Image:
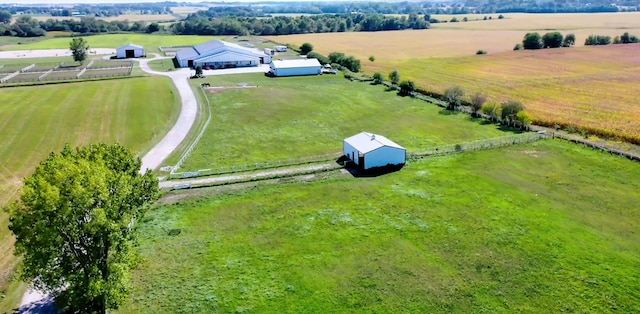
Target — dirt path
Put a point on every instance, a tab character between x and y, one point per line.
217	180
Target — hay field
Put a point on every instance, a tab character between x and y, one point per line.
34	121
465	38
594	88
586	87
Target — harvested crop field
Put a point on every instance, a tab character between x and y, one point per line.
590	88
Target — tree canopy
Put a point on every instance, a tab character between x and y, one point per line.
306	48
454	96
532	41
394	77
79	47
73	224
552	40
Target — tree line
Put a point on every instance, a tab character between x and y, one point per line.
549	40
26	26
511	112
201	24
626	38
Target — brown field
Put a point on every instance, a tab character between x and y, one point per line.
592	88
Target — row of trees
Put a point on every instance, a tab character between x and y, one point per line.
200	24
626	38
85	9
25	26
548	40
510	112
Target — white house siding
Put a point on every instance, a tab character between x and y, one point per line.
298	71
121	52
384	156
351	152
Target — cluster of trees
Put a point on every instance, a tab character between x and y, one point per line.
548	40
510	113
349	62
25	26
74	224
626	38
97	10
201	24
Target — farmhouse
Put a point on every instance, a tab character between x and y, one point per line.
368	150
295	67
219	54
129	51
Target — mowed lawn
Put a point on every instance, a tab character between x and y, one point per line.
274	119
149	42
37	120
543	227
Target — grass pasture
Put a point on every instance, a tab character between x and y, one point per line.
149	42
275	119
542	227
34	121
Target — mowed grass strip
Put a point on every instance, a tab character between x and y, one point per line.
543	227
274	119
149	42
35	121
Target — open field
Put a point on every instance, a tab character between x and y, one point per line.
543	227
592	88
39	71
149	42
34	121
296	117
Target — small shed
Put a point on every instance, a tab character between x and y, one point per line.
295	67
280	48
130	51
368	150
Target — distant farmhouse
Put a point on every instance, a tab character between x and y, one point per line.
368	150
295	67
218	54
129	51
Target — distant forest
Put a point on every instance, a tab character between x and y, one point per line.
274	18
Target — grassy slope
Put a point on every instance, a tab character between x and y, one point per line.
150	42
286	118
542	227
37	120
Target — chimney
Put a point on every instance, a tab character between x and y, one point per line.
373	137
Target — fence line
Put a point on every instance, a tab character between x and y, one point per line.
477	145
254	166
193	145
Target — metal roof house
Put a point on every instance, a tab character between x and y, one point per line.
129	51
220	54
368	150
295	67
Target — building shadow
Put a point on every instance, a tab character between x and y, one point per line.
357	172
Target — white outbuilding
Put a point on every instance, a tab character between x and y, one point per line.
295	67
130	51
368	150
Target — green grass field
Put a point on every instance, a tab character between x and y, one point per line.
34	121
543	227
149	42
296	117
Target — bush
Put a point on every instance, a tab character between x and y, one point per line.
517	47
594	40
481	52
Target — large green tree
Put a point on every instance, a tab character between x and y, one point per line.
74	222
306	48
552	40
5	17
79	48
532	41
394	77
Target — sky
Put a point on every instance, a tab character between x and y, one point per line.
125	1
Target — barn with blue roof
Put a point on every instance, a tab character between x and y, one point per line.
218	54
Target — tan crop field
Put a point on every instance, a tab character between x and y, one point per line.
591	88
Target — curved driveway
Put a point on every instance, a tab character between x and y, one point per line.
156	155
